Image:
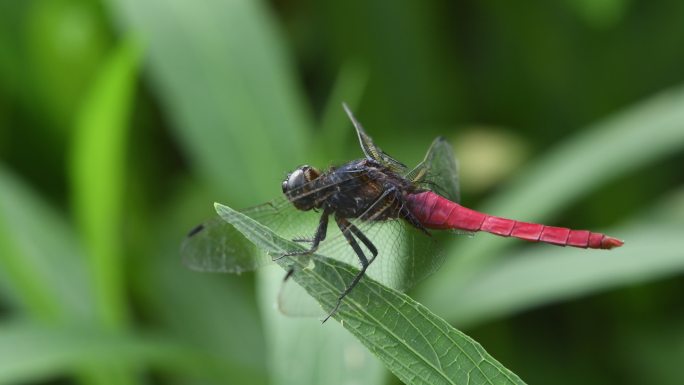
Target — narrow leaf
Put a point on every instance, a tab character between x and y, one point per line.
41	263
539	276
31	353
417	346
225	81
97	171
227	86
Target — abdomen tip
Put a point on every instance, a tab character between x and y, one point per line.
610	242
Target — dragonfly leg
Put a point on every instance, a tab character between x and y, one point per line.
319	236
363	238
303	240
349	231
321	232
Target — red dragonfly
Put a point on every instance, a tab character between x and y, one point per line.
381	208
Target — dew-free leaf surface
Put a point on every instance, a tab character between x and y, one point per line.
416	345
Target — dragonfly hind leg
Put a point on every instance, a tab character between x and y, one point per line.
349	231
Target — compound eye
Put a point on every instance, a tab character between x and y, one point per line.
295	180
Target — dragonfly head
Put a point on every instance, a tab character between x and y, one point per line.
297	189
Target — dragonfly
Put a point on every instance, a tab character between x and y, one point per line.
382	211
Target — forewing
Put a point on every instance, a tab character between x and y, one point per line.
215	246
370	149
438	171
294	301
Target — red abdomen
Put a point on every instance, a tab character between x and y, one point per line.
436	212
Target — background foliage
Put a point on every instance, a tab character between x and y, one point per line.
121	121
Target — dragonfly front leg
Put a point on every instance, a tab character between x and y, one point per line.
349	231
318	237
321	232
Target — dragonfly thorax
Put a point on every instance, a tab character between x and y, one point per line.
362	188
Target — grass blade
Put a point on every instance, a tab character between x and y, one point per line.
227	86
40	259
539	276
97	170
30	353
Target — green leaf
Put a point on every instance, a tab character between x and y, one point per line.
638	136
31	353
227	86
98	172
332	356
225	81
535	276
41	263
417	346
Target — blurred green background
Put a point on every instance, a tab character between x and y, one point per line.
122	121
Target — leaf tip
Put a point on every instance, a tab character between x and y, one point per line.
219	207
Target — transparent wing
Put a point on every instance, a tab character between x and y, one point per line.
216	246
438	171
294	301
370	149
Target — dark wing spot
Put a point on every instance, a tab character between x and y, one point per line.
196	230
